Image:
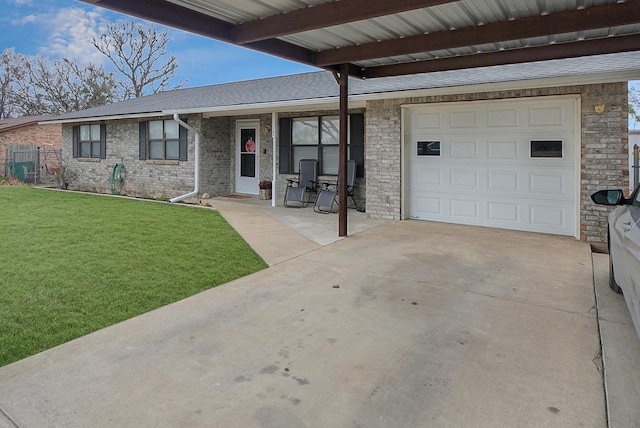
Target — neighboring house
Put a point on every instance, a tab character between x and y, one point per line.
25	131
516	147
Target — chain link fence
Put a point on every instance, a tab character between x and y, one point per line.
33	164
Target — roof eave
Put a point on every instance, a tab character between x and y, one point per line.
102	118
622	76
359	100
268	107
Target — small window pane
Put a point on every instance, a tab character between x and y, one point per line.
85	132
302	152
330	160
155	130
85	149
95	132
155	150
171	129
95	149
428	148
330	130
546	149
172	149
305	131
247	165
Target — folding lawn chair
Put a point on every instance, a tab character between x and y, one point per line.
328	197
299	192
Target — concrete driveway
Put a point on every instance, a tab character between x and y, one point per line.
406	324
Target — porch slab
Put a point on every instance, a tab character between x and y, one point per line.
405	324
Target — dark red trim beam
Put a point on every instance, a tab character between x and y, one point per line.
514	56
611	15
173	15
324	15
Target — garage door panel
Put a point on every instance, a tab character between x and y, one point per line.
549	183
429	207
464	149
429	178
495	150
503	118
546	116
546	216
463	119
427	121
464	179
519	214
485	174
503	150
503	181
504	212
464	209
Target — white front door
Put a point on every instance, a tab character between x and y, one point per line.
247	156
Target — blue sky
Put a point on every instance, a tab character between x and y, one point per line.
63	28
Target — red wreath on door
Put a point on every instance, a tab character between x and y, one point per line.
250	145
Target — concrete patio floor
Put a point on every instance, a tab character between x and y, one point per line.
403	324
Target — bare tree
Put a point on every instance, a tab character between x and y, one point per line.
7	79
634	104
138	53
61	86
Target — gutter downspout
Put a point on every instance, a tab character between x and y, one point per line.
274	134
196	184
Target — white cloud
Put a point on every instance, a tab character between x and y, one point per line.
29	19
23	2
67	33
71	33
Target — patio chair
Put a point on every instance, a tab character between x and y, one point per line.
298	193
327	200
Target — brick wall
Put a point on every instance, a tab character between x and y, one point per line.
32	134
154	178
604	154
215	155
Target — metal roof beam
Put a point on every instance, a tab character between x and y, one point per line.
322	16
610	15
173	15
513	56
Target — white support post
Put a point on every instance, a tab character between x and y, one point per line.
274	139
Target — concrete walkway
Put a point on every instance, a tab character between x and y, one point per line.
620	349
403	324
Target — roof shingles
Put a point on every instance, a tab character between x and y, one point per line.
318	85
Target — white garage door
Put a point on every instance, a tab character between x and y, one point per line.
510	164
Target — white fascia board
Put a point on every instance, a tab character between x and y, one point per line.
505	86
101	118
359	101
276	106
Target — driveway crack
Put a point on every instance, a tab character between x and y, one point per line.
4	415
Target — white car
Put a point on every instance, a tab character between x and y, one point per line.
624	246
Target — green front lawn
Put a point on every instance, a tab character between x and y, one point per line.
74	263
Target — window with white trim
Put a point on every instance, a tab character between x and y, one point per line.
318	137
164	140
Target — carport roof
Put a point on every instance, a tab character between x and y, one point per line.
303	89
379	38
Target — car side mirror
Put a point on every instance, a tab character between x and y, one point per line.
609	197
